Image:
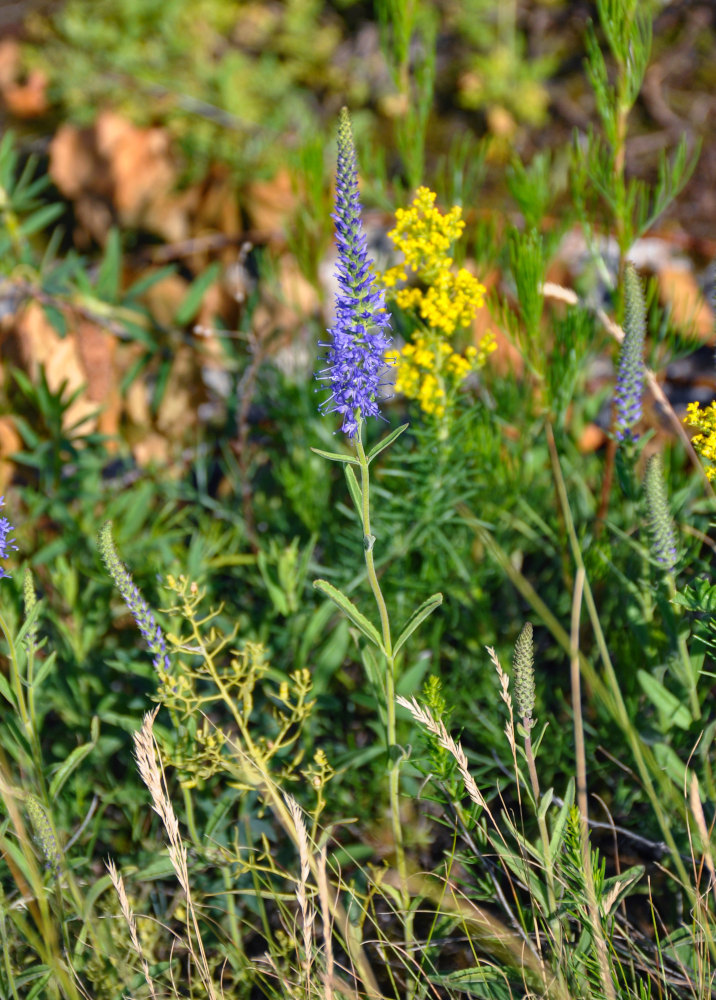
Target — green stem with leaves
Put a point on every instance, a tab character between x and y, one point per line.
618	707
394	772
689	679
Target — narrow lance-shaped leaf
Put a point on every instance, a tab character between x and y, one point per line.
555	841
386	442
348	608
671	709
355	491
417	618
333	457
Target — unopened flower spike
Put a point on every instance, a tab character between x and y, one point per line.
356	357
28	587
132	597
663	536
44	833
7	544
524	674
630	378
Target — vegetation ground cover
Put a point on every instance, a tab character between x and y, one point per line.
356	588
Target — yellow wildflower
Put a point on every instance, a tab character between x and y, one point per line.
430	372
446	300
428	369
451	301
393	275
705	441
425	236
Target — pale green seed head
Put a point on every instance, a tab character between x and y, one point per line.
44	832
663	536
524	673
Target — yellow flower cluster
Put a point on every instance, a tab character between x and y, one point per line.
424	236
705	441
448	304
445	299
431	373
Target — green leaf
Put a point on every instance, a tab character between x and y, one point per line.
484	981
671	709
29	622
525	872
334	457
669	762
528	848
107	285
386	442
417	618
157	869
6	692
56	319
145	283
277	595
354	490
44	670
555	841
396	754
411	679
349	609
41	219
71	764
544	803
192	300
618	886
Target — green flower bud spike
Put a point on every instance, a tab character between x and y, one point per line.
524	675
30	598
661	526
44	833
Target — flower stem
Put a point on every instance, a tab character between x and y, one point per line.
394	768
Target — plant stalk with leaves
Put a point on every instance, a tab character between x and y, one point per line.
355	371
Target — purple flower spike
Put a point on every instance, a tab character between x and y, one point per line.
140	610
7	544
630	378
356	357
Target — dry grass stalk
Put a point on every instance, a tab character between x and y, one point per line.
697	812
361	967
146	753
118	883
438	729
308	914
327	921
510	724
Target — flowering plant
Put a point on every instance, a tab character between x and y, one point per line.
630	376
355	370
357	354
703	419
6	543
442	299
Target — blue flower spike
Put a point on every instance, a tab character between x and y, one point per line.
7	544
630	377
356	361
140	610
